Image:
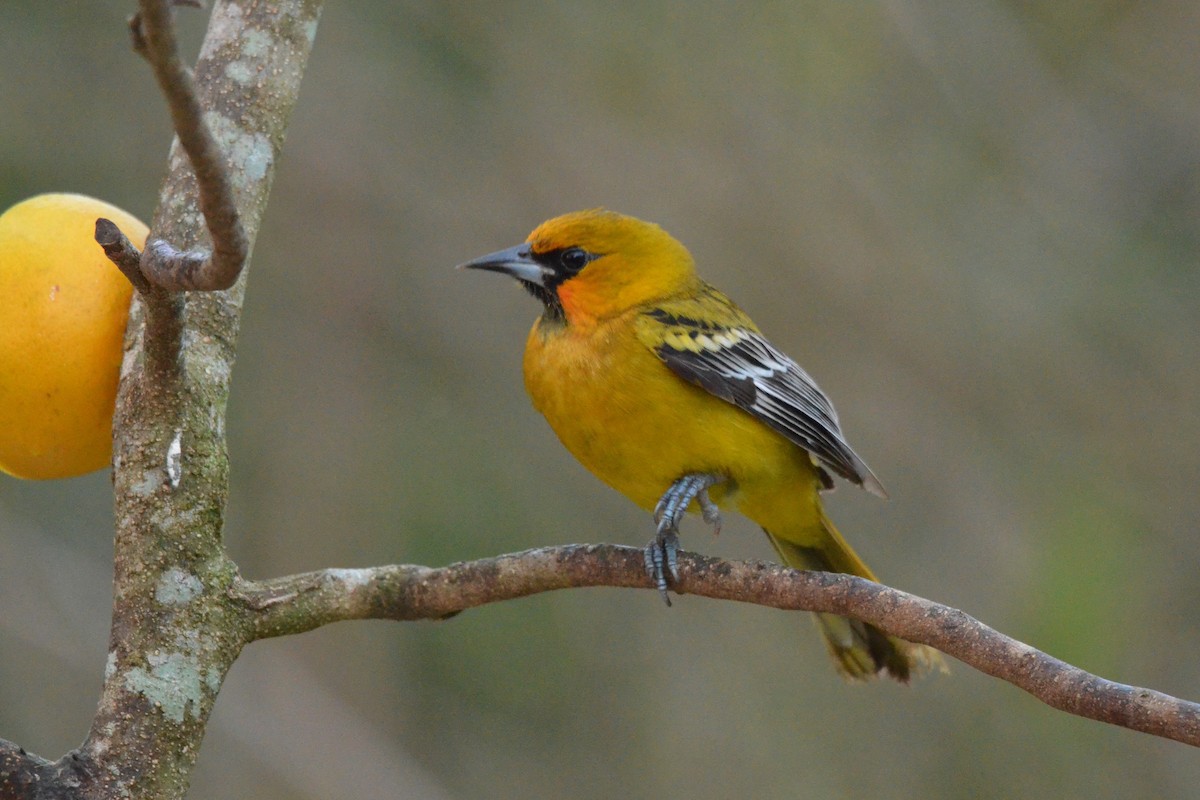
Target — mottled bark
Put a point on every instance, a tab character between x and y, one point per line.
301	602
175	629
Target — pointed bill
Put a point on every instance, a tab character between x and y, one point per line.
515	261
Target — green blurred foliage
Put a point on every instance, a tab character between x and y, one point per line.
976	224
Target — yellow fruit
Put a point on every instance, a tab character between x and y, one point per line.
63	307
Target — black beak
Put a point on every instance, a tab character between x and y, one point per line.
515	261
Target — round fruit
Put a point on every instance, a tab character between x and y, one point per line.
63	307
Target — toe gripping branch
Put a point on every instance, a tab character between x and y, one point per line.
662	554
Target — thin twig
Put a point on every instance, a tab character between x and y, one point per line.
121	252
403	592
164	319
164	265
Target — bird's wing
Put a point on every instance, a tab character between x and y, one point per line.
708	341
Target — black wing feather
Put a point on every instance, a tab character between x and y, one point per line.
737	364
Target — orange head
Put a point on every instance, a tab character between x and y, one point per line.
590	265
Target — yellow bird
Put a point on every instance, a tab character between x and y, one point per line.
669	393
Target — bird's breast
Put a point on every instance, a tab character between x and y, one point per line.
635	424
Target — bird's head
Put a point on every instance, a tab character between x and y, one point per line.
590	265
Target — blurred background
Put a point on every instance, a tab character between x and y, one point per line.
976	224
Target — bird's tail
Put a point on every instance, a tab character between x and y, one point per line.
860	651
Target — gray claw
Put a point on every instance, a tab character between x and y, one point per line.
709	510
660	557
662	554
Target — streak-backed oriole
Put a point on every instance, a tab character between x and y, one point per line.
669	393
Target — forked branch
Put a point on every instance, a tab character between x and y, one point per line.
162	265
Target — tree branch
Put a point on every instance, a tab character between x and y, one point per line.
21	773
162	264
121	252
164	316
402	592
175	632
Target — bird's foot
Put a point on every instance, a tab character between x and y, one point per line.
709	511
662	554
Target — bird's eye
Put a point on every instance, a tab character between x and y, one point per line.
573	259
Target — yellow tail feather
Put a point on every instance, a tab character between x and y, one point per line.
860	651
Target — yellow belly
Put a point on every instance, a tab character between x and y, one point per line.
638	427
